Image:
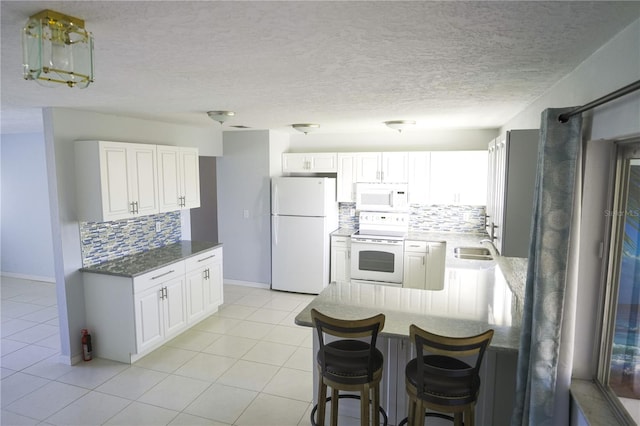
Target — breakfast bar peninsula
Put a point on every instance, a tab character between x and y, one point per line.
473	300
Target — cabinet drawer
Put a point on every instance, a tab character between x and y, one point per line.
196	261
158	276
415	246
340	241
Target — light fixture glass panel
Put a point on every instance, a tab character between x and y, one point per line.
57	49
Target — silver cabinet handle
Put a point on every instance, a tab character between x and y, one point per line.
162	293
162	275
133	207
165	292
205	258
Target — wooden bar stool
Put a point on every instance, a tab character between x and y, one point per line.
349	365
437	379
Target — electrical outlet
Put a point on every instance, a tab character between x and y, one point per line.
245	214
158	226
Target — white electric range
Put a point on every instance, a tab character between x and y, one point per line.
377	248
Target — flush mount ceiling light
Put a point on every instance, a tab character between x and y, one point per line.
220	116
57	49
400	125
305	127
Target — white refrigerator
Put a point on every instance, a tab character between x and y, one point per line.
304	212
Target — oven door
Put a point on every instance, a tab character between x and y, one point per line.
377	259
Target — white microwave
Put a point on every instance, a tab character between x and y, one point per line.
382	197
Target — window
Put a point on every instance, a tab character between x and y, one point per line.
619	367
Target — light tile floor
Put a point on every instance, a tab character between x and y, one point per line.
248	364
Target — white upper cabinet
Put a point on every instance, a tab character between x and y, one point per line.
512	175
366	167
115	180
178	177
346	177
395	167
458	177
382	167
418	177
323	162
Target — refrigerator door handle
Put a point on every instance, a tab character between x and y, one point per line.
275	199
275	230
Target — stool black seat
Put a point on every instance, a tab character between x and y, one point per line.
348	364
441	380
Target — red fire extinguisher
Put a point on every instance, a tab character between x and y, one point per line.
86	345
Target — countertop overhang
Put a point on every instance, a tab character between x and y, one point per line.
138	264
403	307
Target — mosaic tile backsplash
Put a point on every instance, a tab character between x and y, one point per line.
103	241
429	218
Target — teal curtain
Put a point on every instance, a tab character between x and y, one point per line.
541	336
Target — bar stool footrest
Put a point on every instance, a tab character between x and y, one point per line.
328	399
430	414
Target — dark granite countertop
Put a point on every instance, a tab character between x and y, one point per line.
138	264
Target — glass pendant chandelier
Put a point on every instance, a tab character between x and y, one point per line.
57	49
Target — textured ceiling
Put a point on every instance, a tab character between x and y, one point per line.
345	65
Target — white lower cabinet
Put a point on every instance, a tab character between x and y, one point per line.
160	312
340	259
129	317
204	284
424	264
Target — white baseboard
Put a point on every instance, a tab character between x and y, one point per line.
28	277
247	284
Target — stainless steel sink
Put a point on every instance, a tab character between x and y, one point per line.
472	253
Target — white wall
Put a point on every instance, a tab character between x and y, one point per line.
391	140
62	127
25	223
244	204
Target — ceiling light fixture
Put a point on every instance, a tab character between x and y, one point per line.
57	49
220	116
400	125
305	127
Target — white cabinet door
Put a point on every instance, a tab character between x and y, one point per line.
368	166
436	259
418	177
346	191
340	259
196	297
294	163
322	162
214	291
458	177
414	270
143	178
168	178
175	312
179	178
149	318
116	201
189	178
204	284
395	167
